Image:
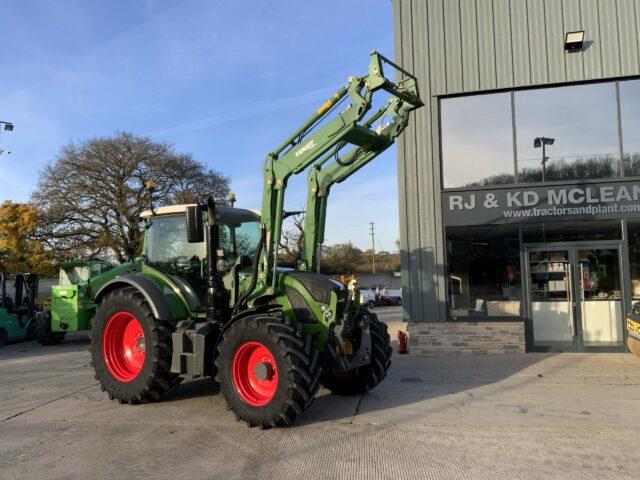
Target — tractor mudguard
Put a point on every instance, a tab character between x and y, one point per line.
150	290
256	309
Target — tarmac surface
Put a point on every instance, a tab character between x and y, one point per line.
487	417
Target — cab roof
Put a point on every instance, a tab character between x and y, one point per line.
240	214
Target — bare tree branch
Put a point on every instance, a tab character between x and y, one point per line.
91	196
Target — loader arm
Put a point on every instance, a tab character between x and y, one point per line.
305	146
321	180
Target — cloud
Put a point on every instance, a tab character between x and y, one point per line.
254	110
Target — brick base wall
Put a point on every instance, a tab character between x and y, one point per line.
466	338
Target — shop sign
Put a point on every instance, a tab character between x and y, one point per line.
542	204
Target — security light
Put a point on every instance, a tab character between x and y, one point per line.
573	41
8	127
543	142
538	141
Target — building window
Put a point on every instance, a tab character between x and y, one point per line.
577	124
630	115
477	140
561	133
483	271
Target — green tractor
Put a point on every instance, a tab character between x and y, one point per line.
208	296
17	312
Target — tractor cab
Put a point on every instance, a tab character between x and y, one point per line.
168	249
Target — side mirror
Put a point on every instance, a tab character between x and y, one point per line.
195	226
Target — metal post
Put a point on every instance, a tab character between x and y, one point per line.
544	159
373	246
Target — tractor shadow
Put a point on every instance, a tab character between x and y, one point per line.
417	384
77	342
412	387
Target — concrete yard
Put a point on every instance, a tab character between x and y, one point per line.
467	417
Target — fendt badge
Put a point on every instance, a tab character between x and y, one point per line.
308	146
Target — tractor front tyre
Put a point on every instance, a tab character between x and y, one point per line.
3	336
363	379
131	349
268	370
42	330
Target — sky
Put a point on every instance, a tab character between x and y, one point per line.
224	81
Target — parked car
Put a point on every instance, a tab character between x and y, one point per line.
368	298
389	297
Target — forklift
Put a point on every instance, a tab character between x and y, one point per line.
18	312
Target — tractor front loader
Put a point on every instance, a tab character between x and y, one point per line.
207	297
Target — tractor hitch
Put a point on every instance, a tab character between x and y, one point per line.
340	349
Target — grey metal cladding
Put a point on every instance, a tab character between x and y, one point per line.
464	46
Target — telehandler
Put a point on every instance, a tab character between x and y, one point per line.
207	295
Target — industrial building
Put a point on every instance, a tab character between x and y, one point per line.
520	179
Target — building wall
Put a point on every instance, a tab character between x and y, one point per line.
475	338
464	46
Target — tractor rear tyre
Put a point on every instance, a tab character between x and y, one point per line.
3	336
363	379
131	349
42	326
268	370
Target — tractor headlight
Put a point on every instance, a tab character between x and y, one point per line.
630	326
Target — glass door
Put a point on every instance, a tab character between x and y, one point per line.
575	298
551	300
600	297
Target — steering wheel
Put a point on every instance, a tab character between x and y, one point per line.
182	261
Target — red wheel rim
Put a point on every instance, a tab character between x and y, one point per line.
123	346
254	373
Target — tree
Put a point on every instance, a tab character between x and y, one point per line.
293	240
20	251
91	196
342	258
386	262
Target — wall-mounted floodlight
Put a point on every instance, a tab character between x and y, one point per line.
573	41
8	127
